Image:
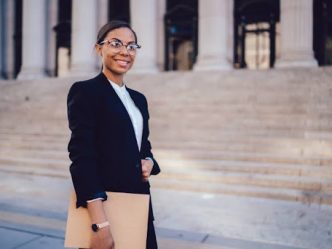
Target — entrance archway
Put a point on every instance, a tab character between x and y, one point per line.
255	33
181	24
323	31
119	10
63	38
17	38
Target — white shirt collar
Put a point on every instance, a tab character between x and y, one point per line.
118	88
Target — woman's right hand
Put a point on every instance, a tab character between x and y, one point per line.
102	239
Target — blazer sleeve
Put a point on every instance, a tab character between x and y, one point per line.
146	150
82	147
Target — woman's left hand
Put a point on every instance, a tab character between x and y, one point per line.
146	169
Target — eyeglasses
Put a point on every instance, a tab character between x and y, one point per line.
116	45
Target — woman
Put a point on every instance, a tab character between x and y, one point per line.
109	146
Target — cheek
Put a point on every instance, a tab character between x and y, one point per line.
132	60
107	58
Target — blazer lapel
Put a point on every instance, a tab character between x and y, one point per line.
115	98
117	102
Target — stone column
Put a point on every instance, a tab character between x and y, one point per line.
212	35
102	19
230	31
144	22
102	9
52	10
33	40
296	34
8	26
84	33
161	6
1	38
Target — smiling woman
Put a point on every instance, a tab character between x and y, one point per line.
117	48
109	146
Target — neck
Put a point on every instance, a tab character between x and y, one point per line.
116	78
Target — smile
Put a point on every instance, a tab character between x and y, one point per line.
122	62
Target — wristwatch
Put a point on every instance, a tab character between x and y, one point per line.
96	227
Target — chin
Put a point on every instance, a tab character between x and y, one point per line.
121	71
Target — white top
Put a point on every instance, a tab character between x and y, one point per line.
134	113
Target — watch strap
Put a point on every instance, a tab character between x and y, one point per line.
96	227
104	224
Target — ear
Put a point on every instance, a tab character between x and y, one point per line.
98	49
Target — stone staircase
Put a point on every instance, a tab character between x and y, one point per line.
264	134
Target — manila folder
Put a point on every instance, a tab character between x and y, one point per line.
128	217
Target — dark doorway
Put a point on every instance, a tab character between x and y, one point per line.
17	38
181	29
255	33
119	10
323	31
63	37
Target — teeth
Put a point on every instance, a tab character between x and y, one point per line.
123	63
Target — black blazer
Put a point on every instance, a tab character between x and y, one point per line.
103	147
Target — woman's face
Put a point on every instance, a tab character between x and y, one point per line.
117	61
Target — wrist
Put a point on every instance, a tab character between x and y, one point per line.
150	159
98	226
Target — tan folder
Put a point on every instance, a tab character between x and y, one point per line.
127	214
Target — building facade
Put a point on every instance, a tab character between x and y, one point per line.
46	38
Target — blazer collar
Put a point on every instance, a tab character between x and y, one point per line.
105	82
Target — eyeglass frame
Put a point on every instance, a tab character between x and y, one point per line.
125	45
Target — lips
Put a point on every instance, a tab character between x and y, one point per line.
122	63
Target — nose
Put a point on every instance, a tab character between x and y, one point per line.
123	50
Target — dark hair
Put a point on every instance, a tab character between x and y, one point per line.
115	24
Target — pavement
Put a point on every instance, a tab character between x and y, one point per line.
33	212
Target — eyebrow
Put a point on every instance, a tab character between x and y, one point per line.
122	41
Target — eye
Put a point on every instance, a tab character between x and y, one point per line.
115	44
132	47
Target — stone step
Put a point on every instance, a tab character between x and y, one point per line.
61	168
170	131
175	158
303	143
205	149
216	116
186	165
310	194
208	131
293	147
37	163
200	122
298	147
26	169
264	157
245	190
236	109
300	182
237	124
322	155
246	110
10	135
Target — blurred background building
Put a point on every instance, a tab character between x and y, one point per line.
56	37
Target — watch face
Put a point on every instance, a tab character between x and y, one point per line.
94	227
